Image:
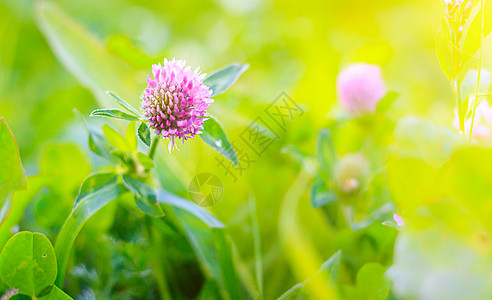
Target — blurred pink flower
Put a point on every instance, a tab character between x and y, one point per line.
482	123
175	101
398	220
360	87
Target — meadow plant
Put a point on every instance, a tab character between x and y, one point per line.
376	204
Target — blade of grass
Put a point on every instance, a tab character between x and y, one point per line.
256	244
302	255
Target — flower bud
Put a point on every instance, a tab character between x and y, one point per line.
350	173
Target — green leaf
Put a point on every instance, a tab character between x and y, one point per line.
114	113
420	138
470	178
385	103
85	56
332	265
372	282
116	139
230	277
255	228
294	293
145	161
325	151
99	145
321	195
96	141
214	135
469	84
392	224
93	183
472	31
329	267
131	137
145	196
28	263
211	249
55	294
208	291
124	104
20	297
444	54
224	78
295	153
12	175
94	196
200	213
144	134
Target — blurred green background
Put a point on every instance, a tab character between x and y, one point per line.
291	46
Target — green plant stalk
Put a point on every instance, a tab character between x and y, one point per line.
456	85
460	105
299	247
257	244
153	147
482	34
155	249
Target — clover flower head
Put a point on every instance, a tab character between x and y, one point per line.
360	87
175	101
350	172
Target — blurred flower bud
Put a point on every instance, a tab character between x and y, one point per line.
453	2
350	172
360	87
398	219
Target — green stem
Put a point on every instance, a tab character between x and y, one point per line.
153	147
479	72
157	263
459	103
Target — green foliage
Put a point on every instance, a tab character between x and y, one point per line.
473	30
85	55
385	103
55	294
114	113
117	140
215	136
321	195
329	267
198	212
370	284
11	171
70	55
145	196
325	152
97	191
124	104
28	263
97	143
144	134
145	161
224	78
